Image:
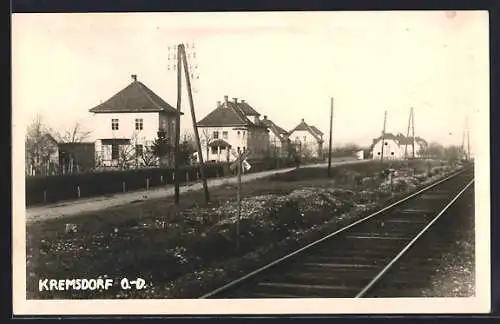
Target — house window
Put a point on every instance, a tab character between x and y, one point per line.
139	124
304	139
392	153
238	133
139	149
115	152
216	135
378	153
224	135
214	150
385	143
114	124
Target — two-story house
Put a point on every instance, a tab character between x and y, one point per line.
232	125
278	139
128	123
308	140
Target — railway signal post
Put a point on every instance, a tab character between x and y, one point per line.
239	164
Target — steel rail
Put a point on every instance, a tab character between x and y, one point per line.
329	236
384	271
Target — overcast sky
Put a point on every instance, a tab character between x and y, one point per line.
286	65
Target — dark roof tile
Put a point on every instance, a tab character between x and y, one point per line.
228	114
136	97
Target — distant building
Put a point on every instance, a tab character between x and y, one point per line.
128	123
232	125
278	139
397	147
308	139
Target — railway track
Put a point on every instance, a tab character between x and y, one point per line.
351	261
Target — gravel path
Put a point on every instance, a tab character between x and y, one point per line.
456	275
99	203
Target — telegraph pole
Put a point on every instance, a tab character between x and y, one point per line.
330	143
195	129
177	126
407	135
383	138
413	131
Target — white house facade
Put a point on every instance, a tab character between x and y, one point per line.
232	125
308	139
392	147
127	124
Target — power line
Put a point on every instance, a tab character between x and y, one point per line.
190	49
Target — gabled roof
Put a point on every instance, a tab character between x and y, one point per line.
314	128
247	109
278	131
136	97
303	126
400	139
228	114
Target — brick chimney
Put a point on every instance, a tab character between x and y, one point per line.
303	120
134	77
265	117
226	99
243	100
235	100
218	103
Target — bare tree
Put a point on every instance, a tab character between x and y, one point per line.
40	146
148	156
75	134
207	136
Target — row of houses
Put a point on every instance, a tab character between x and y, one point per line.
127	125
131	119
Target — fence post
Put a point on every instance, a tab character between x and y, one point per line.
147	183
45	196
187	176
78	191
161	179
123	186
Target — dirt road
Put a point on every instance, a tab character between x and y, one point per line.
99	203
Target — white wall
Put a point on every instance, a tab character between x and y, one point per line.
391	147
399	150
307	140
255	140
151	124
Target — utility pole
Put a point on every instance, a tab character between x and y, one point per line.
177	126
238	200
383	138
407	135
195	129
413	131
330	143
